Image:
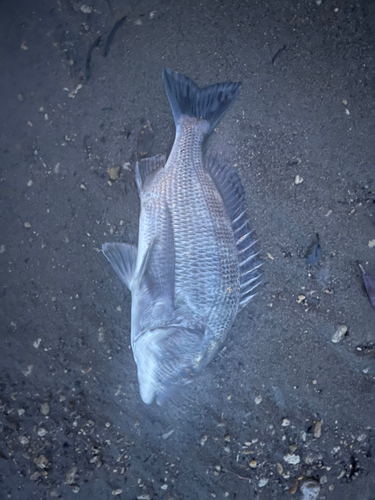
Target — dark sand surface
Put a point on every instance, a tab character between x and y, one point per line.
306	109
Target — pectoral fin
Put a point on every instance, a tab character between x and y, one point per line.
156	271
123	259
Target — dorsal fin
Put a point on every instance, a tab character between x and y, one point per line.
232	193
146	169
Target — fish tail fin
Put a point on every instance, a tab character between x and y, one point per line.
187	99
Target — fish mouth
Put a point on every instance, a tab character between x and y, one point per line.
149	392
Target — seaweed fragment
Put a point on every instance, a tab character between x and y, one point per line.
112	34
314	251
369	282
94	44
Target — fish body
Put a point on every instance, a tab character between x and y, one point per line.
195	266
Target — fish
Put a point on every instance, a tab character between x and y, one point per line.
195	266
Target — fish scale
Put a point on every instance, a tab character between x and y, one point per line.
195	266
205	248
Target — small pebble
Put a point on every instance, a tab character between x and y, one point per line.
29	183
101	334
41	462
166	435
164	487
34	476
138	22
113	173
285	422
280	469
70	475
3	249
28	370
42	432
253	464
36	343
347	112
27	225
263	482
292	459
23	440
20	98
203	440
341	474
117	492
310	489
293	489
24	46
20	412
258	400
44	408
317	429
227	438
323	480
74	92
339	334
298	180
86	9
75	488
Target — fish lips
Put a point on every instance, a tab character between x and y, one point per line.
165	362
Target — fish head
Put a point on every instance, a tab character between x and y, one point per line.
167	358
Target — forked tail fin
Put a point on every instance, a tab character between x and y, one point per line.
187	99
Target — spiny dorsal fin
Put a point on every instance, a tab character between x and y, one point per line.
232	193
146	169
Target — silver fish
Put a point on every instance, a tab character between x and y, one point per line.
195	266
